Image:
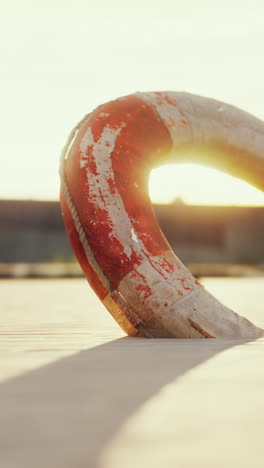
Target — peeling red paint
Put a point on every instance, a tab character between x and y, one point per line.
183	281
145	289
112	185
109	217
107	171
170	101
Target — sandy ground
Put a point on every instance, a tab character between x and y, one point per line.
76	393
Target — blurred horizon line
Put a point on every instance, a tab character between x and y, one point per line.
177	201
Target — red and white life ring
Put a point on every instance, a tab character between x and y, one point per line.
110	220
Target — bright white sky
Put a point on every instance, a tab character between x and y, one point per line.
61	59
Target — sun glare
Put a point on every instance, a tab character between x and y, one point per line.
198	185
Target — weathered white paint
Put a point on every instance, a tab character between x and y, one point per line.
121	225
170	114
170	307
98	185
133	235
195	120
160	289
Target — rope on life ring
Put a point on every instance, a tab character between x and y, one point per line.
110	221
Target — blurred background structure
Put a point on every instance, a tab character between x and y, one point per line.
210	239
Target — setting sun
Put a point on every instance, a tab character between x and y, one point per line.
198	185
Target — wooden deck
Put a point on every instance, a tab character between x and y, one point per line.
76	393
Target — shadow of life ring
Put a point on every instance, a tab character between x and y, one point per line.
110	220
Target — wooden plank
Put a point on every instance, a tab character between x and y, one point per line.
76	393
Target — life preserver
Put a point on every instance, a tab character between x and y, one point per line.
110	220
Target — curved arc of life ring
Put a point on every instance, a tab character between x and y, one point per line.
110	220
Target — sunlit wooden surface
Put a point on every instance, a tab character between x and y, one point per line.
76	393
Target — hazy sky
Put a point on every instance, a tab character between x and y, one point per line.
60	59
